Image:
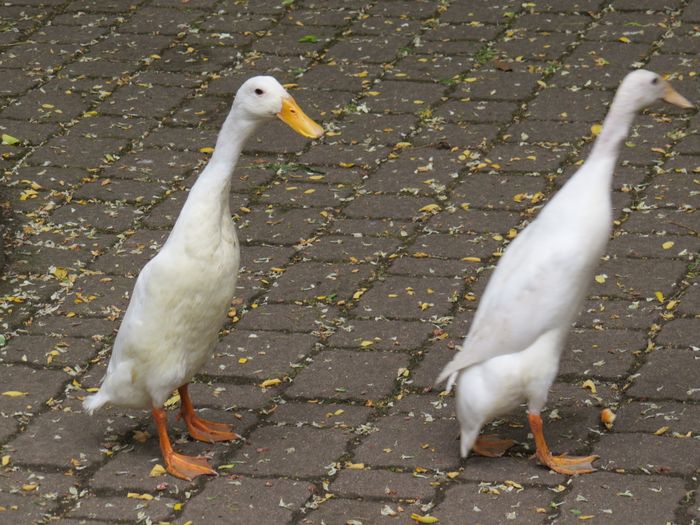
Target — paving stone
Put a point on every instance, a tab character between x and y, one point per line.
474	220
383	334
99	296
638	278
381	483
415	172
133	253
606	495
523	470
229	396
610	314
657	454
496	191
370	49
37	499
435	63
248	498
73	435
101	216
668	373
314	281
128	509
392	445
650	416
410	297
278	226
351	249
287	317
59	326
305	195
291	451
349	511
347	374
264	354
520	505
52	352
129	471
477	111
608	353
381	206
321	415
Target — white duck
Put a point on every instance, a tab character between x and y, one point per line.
181	296
511	353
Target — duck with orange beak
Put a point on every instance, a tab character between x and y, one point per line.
182	295
511	353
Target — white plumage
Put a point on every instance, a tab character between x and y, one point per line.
512	351
181	296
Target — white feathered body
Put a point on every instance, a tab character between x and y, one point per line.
178	306
512	351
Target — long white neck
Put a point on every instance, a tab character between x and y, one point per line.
207	206
616	128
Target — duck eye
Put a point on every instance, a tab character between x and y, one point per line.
655	80
258	91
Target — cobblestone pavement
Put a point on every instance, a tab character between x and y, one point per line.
449	124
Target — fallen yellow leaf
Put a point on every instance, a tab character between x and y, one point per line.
14	393
596	129
430	208
590	385
424	519
207	149
270	382
136	495
157	470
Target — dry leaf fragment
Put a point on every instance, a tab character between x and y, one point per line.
5	460
270	382
14	393
430	208
354	466
607	417
424	519
601	278
590	385
157	470
136	495
9	140
668	245
661	431
29	487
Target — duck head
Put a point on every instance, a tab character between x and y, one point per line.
642	88
263	98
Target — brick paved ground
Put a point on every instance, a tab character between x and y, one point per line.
364	254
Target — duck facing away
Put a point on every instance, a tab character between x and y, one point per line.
181	296
511	353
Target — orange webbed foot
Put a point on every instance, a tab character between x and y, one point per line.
202	429
187	467
209	431
568	465
491	446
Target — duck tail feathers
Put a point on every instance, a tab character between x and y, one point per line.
94	402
